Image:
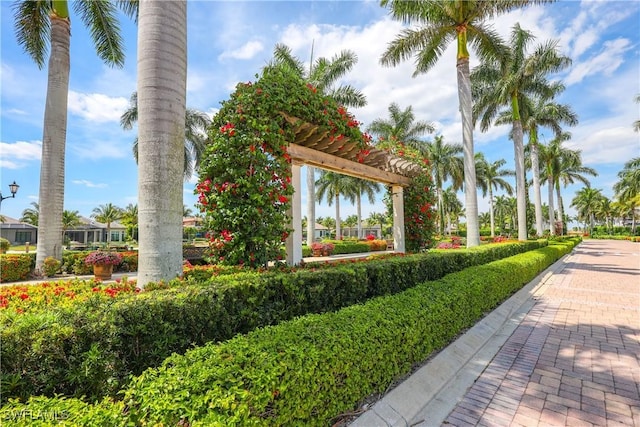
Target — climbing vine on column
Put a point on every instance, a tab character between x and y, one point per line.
245	186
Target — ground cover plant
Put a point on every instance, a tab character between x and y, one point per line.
311	369
90	345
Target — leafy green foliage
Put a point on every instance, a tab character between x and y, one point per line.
308	370
245	189
91	346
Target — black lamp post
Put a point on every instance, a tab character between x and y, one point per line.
13	187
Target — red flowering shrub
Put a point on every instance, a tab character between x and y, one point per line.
245	174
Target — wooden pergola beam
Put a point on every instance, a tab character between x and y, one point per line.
333	163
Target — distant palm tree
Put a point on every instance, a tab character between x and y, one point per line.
323	75
31	215
401	126
107	214
571	170
331	185
70	219
628	185
506	82
502	211
490	176
451	207
445	164
441	22
130	220
354	189
379	218
586	202
484	219
195	136
605	211
44	25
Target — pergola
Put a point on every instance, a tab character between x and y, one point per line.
316	148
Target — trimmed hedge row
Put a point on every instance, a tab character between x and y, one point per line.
308	370
91	348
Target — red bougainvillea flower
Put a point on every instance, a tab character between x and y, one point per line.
283	199
228	128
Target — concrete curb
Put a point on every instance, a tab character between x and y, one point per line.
432	392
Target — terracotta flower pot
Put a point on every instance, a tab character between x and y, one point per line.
102	271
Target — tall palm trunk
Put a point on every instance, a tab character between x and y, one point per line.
440	210
491	214
560	208
537	196
311	205
466	103
518	148
51	194
551	213
359	213
162	75
338	228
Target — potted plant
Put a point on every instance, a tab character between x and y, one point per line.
317	248
103	262
327	249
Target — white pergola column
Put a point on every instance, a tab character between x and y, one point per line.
293	243
398	218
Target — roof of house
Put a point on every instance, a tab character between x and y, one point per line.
14	223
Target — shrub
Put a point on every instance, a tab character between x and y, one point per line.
308	370
14	267
131	333
4	245
51	266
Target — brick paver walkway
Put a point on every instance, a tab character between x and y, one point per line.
575	358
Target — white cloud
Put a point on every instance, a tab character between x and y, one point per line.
97	107
88	184
605	62
14	155
246	51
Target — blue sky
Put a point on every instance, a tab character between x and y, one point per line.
231	41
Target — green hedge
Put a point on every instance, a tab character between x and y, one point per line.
93	347
308	370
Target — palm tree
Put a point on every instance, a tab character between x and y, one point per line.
401	126
445	164
490	176
323	74
351	221
536	113
627	188
195	137
586	201
162	87
70	219
31	215
505	82
332	185
443	21
484	219
354	189
502	211
451	207
605	211
571	170
378	218
40	25
107	214
130	220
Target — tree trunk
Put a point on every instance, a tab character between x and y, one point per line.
470	191
491	214
537	196
440	210
359	212
51	193
521	198
338	228
162	75
560	209
552	228
311	205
